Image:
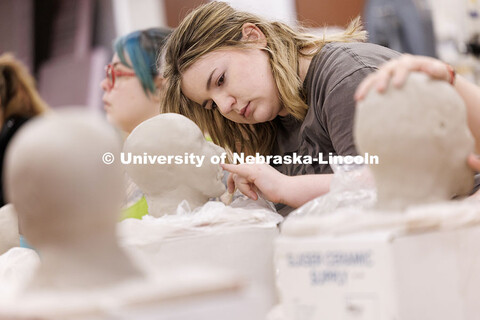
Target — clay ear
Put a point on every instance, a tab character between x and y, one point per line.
252	33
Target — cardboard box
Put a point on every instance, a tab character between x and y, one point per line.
245	250
380	276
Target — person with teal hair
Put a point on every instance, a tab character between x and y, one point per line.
132	92
132	84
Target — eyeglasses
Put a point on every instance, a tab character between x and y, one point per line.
111	74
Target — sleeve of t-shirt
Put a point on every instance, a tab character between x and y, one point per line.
338	110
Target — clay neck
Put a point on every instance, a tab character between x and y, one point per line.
83	264
167	202
391	198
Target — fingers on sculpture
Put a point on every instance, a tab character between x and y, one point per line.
420	134
397	70
189	174
256	179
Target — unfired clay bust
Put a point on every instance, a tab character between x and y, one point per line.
166	185
68	200
420	135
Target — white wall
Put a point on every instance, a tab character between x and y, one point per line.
449	18
283	10
16	29
131	15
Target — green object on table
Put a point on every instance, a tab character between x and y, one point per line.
136	211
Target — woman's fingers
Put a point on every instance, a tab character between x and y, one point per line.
382	80
242	170
245	187
397	71
231	183
364	87
240	177
377	81
400	76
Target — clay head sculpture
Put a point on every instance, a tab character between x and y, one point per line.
189	174
420	135
68	200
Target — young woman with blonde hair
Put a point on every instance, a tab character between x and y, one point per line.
260	86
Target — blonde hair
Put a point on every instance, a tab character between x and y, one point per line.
217	25
18	95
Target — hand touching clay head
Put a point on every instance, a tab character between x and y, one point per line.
68	200
420	135
166	185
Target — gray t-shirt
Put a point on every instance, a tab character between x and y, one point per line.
333	75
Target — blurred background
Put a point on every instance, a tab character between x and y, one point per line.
66	43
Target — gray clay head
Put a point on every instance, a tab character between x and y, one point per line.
420	134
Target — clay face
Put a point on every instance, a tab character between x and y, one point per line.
166	185
421	136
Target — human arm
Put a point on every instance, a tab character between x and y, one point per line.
397	70
251	179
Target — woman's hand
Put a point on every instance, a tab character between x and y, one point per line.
397	70
251	179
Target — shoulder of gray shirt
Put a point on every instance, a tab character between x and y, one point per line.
339	60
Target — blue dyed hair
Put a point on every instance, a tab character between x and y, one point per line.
142	47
